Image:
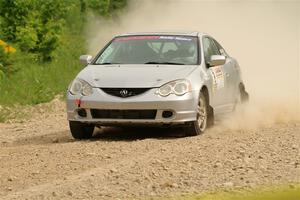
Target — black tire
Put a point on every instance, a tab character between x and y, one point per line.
198	127
211	117
81	130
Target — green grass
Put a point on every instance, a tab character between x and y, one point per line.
273	193
36	82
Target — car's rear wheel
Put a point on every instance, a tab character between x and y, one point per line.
242	97
198	127
81	130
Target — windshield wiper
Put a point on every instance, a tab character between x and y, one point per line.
164	63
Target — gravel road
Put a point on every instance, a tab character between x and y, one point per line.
40	160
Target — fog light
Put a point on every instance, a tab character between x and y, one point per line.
167	114
82	112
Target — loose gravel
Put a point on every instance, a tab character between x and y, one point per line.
40	160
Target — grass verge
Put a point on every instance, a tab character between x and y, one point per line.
35	82
291	192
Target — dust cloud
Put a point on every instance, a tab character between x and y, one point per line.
264	36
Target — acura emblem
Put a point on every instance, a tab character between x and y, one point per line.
124	93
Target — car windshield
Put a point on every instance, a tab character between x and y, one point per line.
151	49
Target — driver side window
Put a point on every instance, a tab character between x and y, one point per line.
209	48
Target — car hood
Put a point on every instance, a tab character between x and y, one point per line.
138	76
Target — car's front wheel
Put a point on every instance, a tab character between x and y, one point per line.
81	130
198	127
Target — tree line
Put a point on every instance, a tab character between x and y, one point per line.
35	27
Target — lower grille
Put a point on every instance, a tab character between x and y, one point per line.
123	114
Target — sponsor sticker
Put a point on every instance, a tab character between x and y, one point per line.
218	78
120	39
152	37
175	38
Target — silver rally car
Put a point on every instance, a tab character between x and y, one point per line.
156	78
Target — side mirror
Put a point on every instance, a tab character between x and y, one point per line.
85	59
216	60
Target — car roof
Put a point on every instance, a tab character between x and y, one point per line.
181	33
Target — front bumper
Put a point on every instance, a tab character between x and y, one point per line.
182	107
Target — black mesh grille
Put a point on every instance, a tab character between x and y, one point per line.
123	114
124	92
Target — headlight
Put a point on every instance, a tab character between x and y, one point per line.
178	87
87	90
79	86
75	87
165	90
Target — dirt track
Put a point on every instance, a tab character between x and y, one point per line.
40	160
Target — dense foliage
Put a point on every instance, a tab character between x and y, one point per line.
48	36
34	25
5	64
106	7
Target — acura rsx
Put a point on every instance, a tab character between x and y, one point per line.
161	78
